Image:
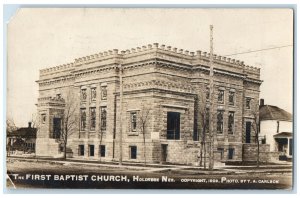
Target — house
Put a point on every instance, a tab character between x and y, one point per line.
22	139
148	104
276	125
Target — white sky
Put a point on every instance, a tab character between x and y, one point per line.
40	38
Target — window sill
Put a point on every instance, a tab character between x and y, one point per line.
174	139
133	133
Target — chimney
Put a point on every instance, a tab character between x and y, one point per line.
262	102
29	124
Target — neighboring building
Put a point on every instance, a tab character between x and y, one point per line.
163	89
22	139
277	126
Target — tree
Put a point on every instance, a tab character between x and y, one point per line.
255	127
10	127
205	136
69	120
142	122
204	120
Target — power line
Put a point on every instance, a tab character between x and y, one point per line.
260	50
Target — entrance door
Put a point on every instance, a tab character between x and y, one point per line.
164	152
56	128
248	132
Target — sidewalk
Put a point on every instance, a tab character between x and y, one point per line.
166	168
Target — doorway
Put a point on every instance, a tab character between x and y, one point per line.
248	132
164	153
56	128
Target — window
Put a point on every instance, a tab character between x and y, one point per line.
93	118
93	93
220	122
83	95
207	93
173	126
133	118
248	103
82	119
231	97
91	150
221	96
81	150
277	127
43	116
58	96
103	93
230	153
102	150
133	152
221	152
103	115
230	122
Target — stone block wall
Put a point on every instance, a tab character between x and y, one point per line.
162	78
250	152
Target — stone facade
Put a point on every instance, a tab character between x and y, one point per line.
163	102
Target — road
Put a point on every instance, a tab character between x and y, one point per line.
64	174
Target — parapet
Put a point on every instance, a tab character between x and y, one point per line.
150	47
50	99
56	68
252	69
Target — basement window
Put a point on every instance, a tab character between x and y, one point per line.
102	150
230	153
91	150
133	152
81	150
221	152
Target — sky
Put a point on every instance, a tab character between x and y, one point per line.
45	37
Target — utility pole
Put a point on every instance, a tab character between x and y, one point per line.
211	100
121	109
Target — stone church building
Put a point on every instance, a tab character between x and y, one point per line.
153	99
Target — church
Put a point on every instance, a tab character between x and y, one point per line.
147	104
